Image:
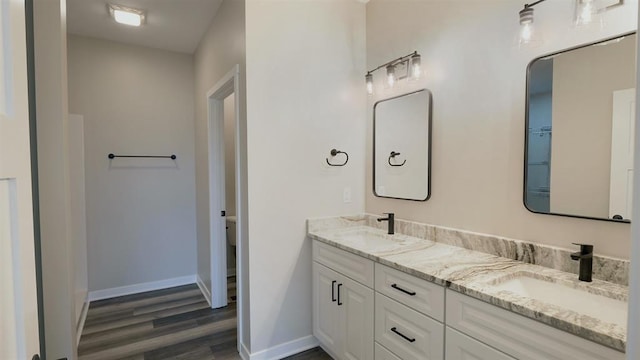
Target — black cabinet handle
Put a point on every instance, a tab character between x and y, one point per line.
395	286
333	291
339	303
402	335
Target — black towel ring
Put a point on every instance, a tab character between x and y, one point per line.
335	152
393	155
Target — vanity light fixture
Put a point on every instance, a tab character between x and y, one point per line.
408	65
126	15
586	12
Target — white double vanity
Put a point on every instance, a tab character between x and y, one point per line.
391	297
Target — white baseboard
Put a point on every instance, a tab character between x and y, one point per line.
138	288
203	289
283	350
244	353
83	318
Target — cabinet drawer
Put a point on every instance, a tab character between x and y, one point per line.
461	347
416	293
518	336
406	332
384	354
353	266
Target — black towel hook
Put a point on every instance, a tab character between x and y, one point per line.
335	152
393	155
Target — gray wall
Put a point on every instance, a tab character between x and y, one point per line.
477	76
140	212
305	96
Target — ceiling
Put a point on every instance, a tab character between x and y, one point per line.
175	25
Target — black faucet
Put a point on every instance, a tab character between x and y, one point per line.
586	261
390	218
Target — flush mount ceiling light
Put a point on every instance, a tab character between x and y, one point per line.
409	66
126	15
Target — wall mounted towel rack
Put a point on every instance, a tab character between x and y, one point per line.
335	152
392	156
172	157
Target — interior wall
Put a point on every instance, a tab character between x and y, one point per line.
140	212
582	119
221	48
53	170
633	322
477	75
78	219
305	96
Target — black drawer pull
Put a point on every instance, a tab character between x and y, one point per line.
402	335
412	293
339	303
333	291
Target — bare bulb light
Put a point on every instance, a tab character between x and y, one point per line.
586	12
391	75
526	26
369	81
415	66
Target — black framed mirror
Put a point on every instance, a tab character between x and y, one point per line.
402	146
579	127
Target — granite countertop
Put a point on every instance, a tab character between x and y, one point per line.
477	274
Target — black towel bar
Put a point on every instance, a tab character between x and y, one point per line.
172	157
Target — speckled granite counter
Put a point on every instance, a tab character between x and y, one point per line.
473	273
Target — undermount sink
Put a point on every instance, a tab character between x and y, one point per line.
581	301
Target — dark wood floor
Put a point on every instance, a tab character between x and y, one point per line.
174	323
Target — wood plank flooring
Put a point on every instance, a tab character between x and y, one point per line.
174	323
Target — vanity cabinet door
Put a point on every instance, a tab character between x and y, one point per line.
462	347
325	310
355	303
342	315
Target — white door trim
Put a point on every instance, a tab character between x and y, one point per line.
227	85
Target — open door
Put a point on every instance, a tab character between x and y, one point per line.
18	302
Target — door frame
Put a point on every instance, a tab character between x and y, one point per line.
227	85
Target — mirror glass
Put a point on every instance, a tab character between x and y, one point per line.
401	146
580	118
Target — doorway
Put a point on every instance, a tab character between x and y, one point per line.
225	207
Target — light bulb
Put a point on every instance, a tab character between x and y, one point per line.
526	26
585	12
415	66
391	75
526	33
369	81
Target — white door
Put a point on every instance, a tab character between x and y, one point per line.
356	313
18	299
622	146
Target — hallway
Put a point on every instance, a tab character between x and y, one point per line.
169	323
174	323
